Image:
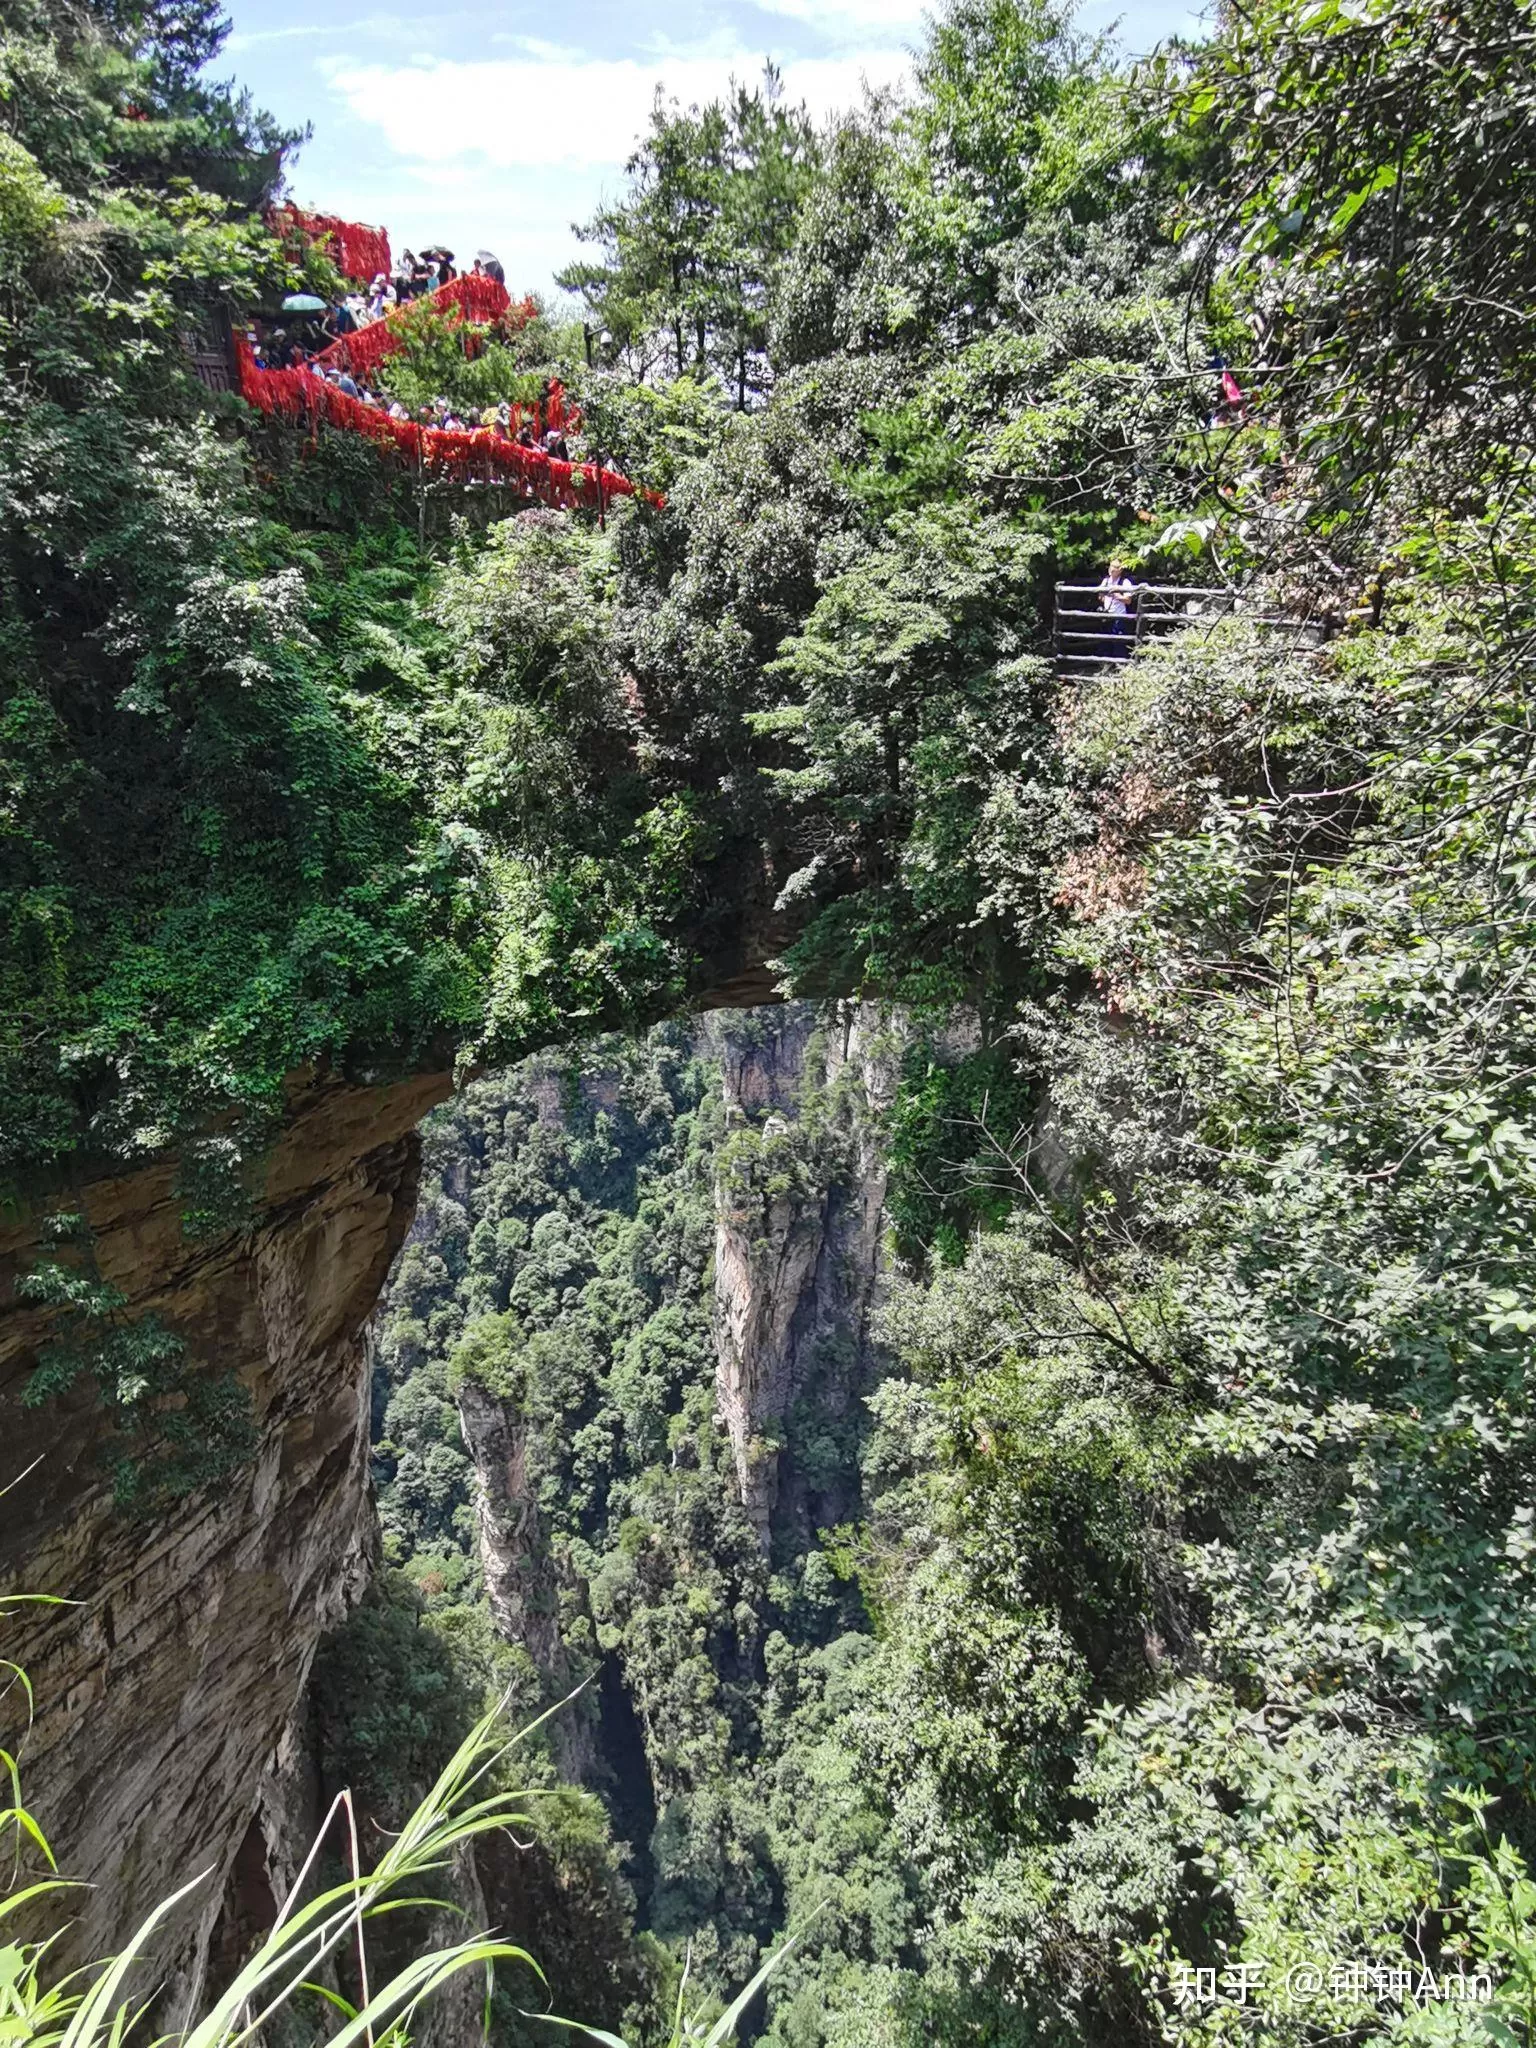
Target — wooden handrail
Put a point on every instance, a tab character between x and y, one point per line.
1152	589
1143	613
1170	618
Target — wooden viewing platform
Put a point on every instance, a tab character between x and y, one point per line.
1086	639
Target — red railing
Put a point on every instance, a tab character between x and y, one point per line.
473	298
470	455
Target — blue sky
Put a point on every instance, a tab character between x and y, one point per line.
498	126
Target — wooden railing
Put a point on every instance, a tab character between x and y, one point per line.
1088	638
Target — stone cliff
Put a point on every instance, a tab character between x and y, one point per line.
524	1579
799	1202
165	1691
604	1253
167	1740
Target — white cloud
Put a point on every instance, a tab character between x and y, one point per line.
841	21
382	27
249	39
535	46
565	110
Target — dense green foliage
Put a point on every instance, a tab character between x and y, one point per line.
558	1277
1161	1602
238	835
443	357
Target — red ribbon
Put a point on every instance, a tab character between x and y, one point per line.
357	251
471	454
473	298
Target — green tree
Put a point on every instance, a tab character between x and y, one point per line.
694	249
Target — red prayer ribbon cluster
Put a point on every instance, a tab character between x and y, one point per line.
473	297
473	455
481	299
357	251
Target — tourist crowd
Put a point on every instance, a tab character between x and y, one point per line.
310	340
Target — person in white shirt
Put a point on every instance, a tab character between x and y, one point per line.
1119	595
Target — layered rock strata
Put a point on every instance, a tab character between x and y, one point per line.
164	1692
524	1580
797	1236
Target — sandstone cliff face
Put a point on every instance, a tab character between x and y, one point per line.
164	1694
797	1241
523	1580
